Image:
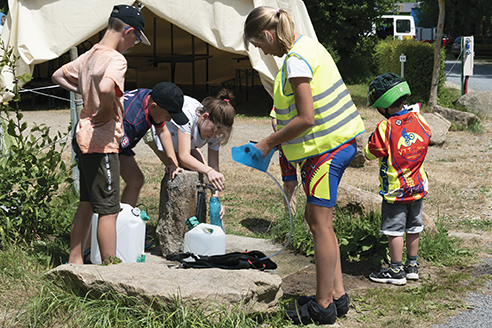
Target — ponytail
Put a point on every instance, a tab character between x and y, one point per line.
220	112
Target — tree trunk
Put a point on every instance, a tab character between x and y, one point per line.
437	55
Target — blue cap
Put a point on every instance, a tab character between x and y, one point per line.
251	156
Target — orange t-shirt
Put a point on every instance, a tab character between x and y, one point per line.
87	71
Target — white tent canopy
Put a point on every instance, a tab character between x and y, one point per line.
41	30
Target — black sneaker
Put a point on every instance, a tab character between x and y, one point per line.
389	275
342	303
313	312
412	271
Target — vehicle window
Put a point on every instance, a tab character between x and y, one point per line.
402	25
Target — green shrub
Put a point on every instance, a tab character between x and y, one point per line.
358	66
359	237
32	173
418	67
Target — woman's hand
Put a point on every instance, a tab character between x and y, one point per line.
172	170
216	179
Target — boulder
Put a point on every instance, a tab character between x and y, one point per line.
477	101
359	159
456	116
439	127
178	202
250	290
365	202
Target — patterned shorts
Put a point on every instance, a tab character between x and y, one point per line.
321	174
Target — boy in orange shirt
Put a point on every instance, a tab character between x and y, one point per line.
99	75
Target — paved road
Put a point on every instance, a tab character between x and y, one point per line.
481	80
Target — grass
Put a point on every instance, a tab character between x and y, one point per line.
255	208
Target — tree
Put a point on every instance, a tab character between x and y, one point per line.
437	55
343	26
463	17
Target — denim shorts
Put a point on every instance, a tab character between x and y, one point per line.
400	218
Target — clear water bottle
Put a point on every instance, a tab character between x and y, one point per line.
214	211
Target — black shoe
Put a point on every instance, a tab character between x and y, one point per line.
390	275
313	312
412	271
342	303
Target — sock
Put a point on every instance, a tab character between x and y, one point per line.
411	260
396	265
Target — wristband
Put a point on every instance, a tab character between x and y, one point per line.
209	170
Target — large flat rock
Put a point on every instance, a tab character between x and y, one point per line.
158	278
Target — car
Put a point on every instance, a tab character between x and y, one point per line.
482	46
447	40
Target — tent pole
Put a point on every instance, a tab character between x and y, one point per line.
155	40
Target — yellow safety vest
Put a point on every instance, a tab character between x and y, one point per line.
337	120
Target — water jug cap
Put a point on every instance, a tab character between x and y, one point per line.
192	222
144	216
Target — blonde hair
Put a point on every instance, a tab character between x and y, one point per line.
220	112
268	18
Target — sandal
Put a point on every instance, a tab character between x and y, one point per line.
313	312
342	303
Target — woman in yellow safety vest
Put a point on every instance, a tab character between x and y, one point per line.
317	124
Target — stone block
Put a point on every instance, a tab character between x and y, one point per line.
178	202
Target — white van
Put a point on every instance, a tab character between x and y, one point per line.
397	26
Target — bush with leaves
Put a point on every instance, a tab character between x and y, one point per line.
32	170
418	67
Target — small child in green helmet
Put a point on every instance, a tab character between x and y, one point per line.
400	142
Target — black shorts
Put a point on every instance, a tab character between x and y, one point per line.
99	176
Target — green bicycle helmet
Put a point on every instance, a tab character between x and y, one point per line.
385	89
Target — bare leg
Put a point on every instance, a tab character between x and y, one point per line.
290	188
412	240
106	235
132	175
326	253
78	232
396	247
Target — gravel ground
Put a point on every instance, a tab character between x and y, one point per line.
479	314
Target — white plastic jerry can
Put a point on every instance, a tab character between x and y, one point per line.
205	239
130	235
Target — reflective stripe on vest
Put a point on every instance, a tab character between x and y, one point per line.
336	118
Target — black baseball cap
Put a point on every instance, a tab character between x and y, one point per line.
169	96
131	16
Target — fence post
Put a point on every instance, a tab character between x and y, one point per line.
76	105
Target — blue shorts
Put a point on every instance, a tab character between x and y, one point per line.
321	174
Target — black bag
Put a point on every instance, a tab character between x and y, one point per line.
230	261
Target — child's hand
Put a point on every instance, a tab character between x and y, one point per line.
173	170
222	211
216	179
